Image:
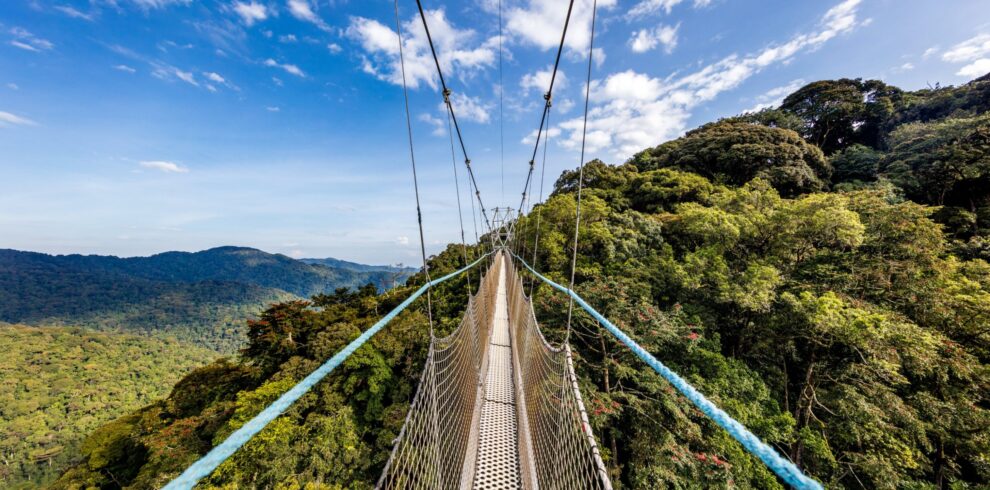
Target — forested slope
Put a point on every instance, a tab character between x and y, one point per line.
818	270
58	384
202	297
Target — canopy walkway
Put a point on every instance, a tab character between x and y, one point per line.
498	406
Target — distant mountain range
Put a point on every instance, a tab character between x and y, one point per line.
203	296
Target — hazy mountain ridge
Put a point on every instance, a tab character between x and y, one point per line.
201	296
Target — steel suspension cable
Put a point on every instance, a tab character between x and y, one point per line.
539	210
412	158
546	106
584	138
450	108
457	188
501	95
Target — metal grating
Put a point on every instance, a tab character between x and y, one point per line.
498	383
498	455
497	465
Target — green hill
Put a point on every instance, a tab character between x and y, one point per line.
817	270
202	297
58	384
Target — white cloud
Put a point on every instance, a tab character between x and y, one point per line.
439	125
633	111
547	135
975	69
539	23
540	80
168	72
647	39
646	7
155	4
8	119
334	48
251	12
402	240
289	68
73	12
303	10
468	108
774	96
459	51
23	39
273	109
186	76
288	39
214	77
906	67
929	52
13	86
969	50
167	167
124	68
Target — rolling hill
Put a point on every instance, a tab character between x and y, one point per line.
202	297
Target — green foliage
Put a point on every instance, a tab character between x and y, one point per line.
848	329
58	384
736	152
840	113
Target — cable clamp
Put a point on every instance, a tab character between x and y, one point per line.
549	98
446	95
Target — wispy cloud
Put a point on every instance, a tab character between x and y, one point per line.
774	96
634	110
974	51
250	12
645	40
646	7
169	72
23	39
8	119
303	10
124	68
289	68
73	12
439	125
164	166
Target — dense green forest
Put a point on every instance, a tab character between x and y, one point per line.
818	270
201	297
58	384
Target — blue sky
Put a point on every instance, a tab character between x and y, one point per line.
131	127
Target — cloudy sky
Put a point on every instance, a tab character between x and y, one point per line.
131	127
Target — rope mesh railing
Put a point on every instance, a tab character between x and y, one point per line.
556	441
431	448
438	443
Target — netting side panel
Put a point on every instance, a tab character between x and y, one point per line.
429	452
563	448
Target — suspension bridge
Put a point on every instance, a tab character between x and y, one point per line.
497	405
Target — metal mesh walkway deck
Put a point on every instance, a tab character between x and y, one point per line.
497	463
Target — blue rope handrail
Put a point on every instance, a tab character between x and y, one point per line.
785	469
205	465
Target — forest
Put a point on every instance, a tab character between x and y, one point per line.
201	297
818	269
58	384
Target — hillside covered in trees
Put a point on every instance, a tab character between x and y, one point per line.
818	270
57	384
201	297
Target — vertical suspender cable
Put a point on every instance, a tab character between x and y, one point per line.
539	211
453	116
501	95
457	187
546	107
584	137
412	158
